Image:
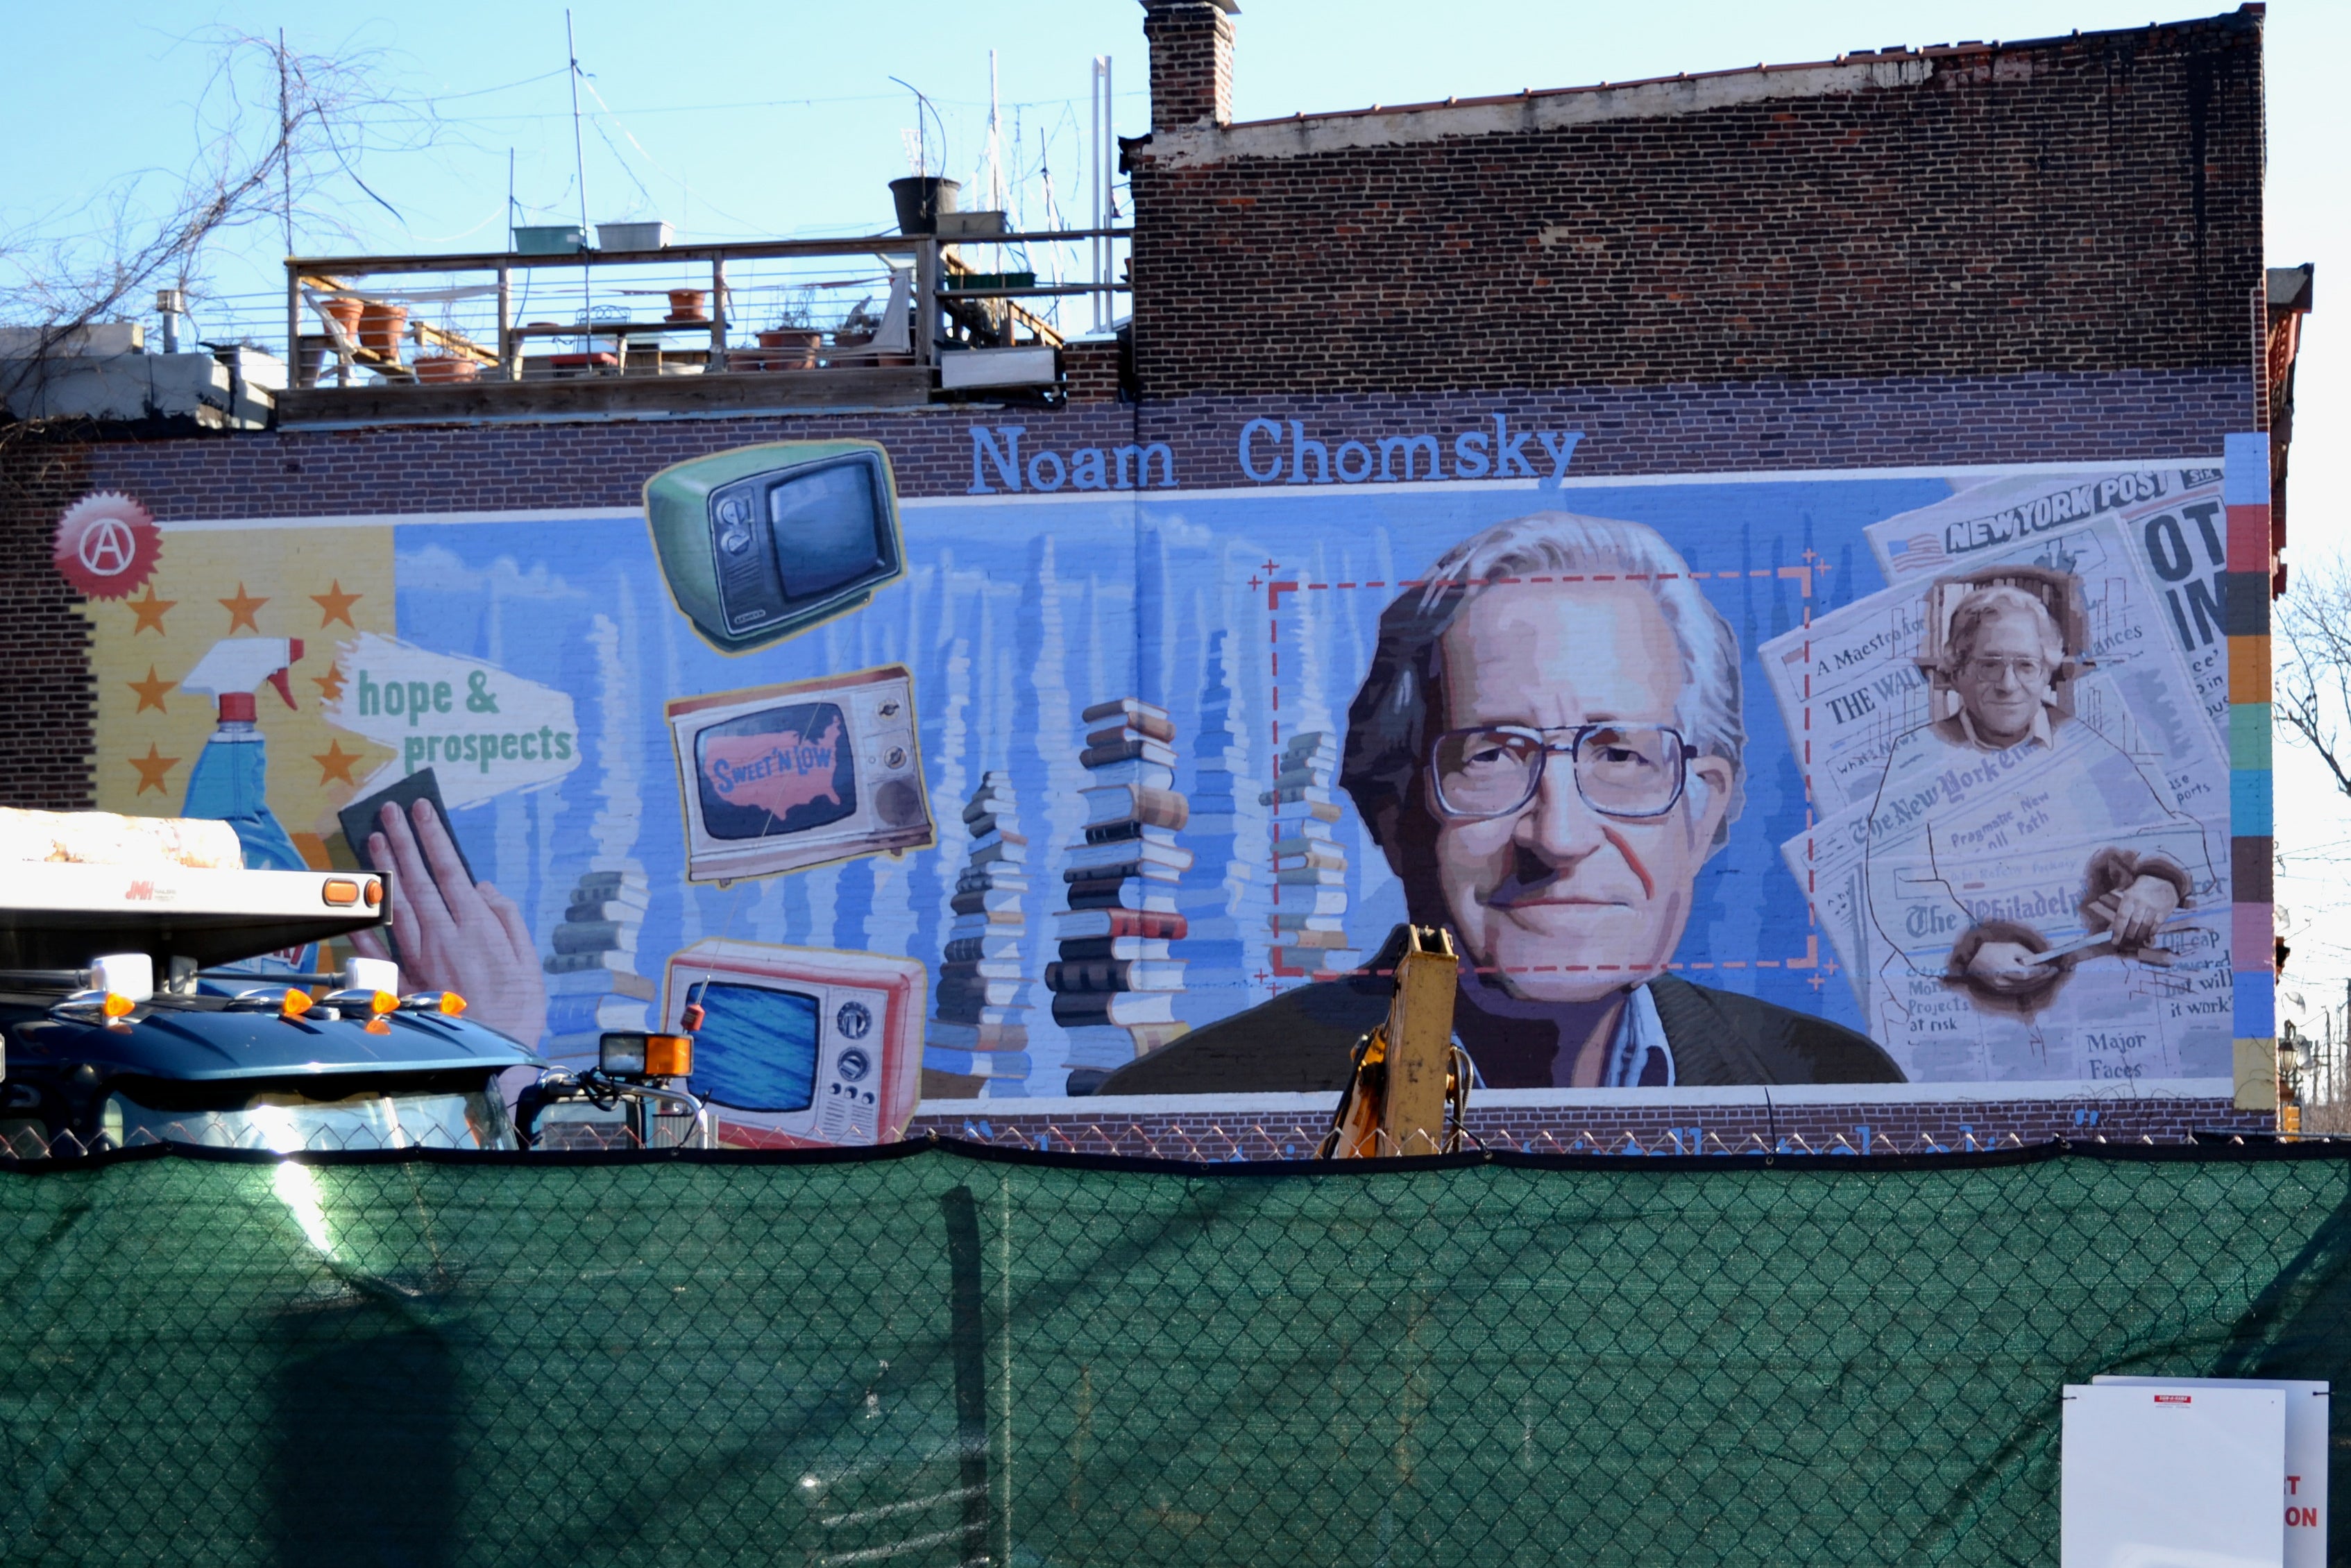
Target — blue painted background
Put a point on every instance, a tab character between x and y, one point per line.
1017	614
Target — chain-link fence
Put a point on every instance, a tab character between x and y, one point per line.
945	1353
1213	1140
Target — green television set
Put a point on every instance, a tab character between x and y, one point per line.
763	542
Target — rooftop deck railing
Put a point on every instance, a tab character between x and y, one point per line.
895	302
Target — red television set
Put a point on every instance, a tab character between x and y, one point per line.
800	1047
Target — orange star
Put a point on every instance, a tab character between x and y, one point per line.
151	691
334	605
149	611
151	769
240	609
335	765
330	685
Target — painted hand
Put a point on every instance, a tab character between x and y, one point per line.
2006	966
456	935
2138	910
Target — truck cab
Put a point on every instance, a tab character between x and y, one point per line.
124	1020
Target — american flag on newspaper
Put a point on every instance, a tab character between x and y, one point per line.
1916	553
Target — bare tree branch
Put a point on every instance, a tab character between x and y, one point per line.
280	133
2312	693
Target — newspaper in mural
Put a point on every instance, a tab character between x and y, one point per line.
1717	781
2023	865
2170	521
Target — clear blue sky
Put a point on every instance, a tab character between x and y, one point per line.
752	117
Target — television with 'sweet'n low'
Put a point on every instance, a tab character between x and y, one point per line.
773	778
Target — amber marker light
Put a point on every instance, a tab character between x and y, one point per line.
669	1056
116	1005
341	892
374	893
447	1003
295	1004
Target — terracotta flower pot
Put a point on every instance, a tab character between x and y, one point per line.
381	327
685	305
345	313
446	367
799	346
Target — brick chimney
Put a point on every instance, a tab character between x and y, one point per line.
1191	61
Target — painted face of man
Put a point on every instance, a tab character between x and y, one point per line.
2005	679
1566	903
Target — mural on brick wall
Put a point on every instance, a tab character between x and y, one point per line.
1092	785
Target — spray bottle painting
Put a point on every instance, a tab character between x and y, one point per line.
230	780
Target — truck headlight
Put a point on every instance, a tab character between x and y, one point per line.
627	1053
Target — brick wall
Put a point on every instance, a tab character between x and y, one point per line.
1715	428
1191	61
44	680
1090	371
2076	205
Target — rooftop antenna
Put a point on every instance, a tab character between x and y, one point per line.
923	113
578	157
995	140
1100	184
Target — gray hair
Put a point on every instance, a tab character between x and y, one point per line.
2001	599
1392	723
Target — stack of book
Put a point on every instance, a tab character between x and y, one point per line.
1310	869
592	984
979	1030
1224	941
1114	985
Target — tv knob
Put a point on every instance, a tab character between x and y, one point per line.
899	802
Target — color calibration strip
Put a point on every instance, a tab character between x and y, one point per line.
2246	487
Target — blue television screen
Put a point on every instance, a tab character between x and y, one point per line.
757	1047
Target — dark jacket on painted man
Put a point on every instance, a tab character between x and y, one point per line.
1303	1040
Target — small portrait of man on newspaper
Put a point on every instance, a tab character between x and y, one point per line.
1979	805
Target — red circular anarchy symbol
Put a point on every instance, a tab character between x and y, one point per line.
106	545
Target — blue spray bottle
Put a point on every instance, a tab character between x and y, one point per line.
231	781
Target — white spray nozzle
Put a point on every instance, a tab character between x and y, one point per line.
234	668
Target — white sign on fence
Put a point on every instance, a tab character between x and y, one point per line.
2306	1416
2173	1476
